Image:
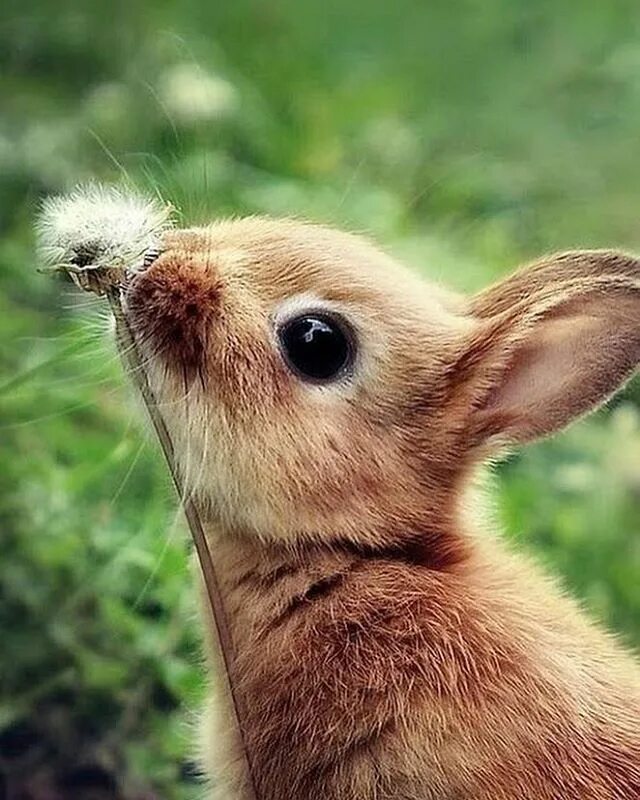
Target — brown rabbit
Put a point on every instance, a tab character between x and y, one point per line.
330	411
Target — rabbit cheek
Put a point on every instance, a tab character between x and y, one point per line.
172	307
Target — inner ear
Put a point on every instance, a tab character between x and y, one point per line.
545	369
535	396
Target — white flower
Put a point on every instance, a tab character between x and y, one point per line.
192	95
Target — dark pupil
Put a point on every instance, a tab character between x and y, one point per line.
316	347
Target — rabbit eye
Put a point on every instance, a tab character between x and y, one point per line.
318	347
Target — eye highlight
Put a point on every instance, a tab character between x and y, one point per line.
317	346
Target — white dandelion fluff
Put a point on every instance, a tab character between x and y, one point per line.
96	227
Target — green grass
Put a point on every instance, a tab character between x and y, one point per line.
466	139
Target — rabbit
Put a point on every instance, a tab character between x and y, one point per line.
331	412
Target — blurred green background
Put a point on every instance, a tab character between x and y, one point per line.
466	137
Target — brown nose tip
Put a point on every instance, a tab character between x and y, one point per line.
172	306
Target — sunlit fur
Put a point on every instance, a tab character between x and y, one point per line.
388	645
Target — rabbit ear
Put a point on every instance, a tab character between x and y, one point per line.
551	343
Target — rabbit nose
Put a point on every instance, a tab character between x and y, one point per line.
173	304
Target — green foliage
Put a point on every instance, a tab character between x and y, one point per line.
466	137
